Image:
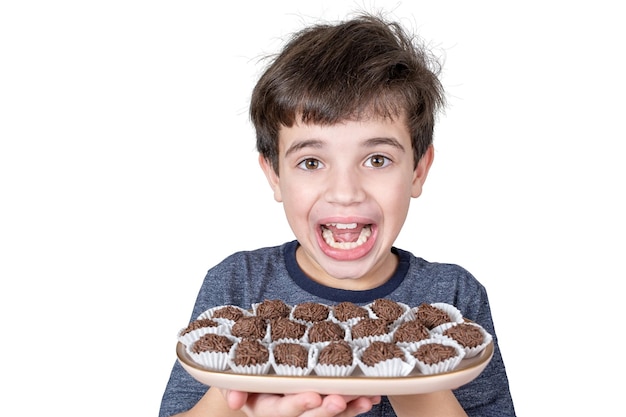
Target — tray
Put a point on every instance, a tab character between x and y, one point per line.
355	384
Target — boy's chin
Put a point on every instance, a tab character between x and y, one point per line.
347	273
347	265
339	270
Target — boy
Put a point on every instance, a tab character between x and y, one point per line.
344	119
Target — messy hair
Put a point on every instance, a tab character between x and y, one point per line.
360	68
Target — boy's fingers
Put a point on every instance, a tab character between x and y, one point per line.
361	405
308	404
297	404
272	405
235	399
343	406
336	405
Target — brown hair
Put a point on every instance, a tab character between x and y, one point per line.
363	67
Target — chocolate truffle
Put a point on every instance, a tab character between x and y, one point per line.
387	309
228	312
250	352
271	309
411	331
347	310
430	353
212	343
251	327
198	324
291	354
285	328
326	331
336	353
466	334
311	312
431	316
370	327
379	351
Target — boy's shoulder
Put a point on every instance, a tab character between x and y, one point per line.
265	254
263	251
424	265
440	274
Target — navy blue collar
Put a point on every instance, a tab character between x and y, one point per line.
338	295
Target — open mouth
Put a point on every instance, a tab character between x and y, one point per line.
346	235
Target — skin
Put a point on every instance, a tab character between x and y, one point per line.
224	403
356	172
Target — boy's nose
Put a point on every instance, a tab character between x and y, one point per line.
345	188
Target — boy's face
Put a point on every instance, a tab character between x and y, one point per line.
346	190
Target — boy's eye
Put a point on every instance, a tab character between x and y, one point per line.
377	161
310	164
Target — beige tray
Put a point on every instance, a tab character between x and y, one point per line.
356	384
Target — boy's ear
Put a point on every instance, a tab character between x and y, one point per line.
421	171
272	177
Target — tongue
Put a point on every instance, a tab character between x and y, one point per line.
346	235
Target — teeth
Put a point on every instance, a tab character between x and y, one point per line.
366	232
343	225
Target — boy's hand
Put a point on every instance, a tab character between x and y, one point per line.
308	404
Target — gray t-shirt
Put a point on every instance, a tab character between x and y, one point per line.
250	277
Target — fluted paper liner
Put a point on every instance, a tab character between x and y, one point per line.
439	367
389	368
312	354
470	352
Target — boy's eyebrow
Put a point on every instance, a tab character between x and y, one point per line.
369	143
308	143
384	141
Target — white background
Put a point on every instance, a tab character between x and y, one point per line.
127	169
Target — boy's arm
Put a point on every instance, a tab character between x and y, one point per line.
442	403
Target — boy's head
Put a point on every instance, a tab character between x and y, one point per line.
357	69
